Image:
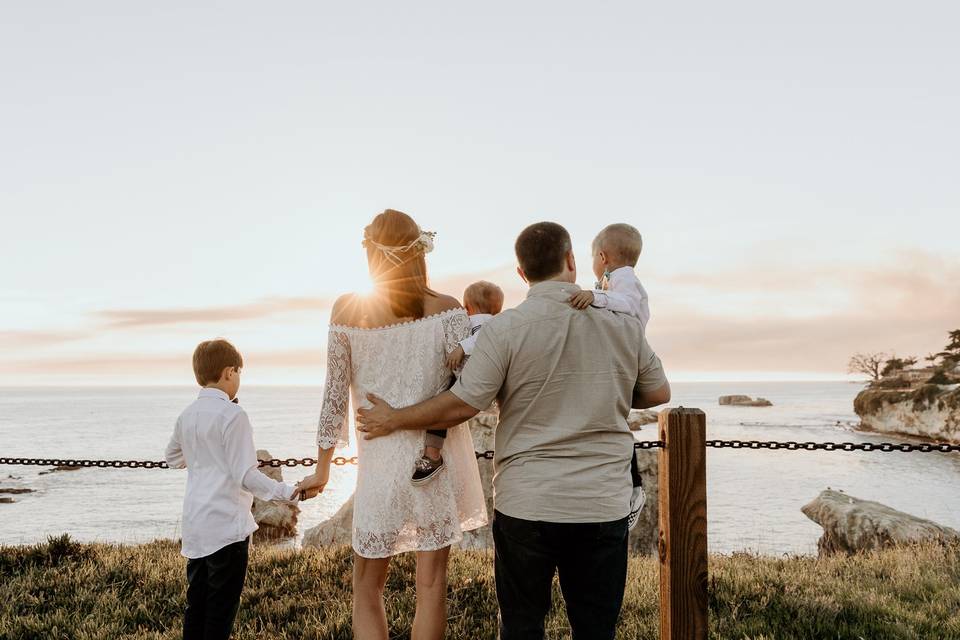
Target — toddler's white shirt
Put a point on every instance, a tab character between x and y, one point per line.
477	320
625	294
213	439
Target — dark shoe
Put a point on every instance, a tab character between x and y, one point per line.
426	469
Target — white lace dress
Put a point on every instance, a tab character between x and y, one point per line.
404	365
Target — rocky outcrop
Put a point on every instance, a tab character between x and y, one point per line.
930	411
337	529
643	537
851	525
744	401
277	520
640	417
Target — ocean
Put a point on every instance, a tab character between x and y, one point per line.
753	497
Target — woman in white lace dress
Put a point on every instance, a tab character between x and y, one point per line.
393	344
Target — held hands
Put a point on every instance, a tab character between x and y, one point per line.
582	299
314	484
378	420
455	358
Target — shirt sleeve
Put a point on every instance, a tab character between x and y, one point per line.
333	428
633	303
174	453
650	376
243	464
468	344
484	373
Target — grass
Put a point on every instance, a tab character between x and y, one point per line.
62	589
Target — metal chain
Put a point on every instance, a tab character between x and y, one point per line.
884	447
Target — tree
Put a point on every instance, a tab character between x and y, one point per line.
895	365
954	344
868	364
931	358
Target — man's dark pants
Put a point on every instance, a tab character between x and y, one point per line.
214	584
591	559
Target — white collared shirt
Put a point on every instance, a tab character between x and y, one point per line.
213	439
476	321
624	294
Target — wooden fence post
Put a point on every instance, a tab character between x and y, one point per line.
683	525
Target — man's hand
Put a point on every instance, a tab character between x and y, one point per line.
378	420
455	358
582	299
314	484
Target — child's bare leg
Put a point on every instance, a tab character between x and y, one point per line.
431	452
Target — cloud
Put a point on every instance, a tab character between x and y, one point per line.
765	317
135	318
19	339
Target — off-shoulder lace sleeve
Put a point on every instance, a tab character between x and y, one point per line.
456	327
334	427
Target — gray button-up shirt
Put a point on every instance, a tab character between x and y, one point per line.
564	380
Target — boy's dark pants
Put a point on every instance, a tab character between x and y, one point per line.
214	584
591	559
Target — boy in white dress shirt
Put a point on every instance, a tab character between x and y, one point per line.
483	300
616	250
213	439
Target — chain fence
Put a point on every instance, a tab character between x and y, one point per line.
884	447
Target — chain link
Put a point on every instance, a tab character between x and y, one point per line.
883	447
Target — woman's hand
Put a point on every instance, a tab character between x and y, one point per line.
378	420
314	484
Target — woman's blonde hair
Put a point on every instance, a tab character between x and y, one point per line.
397	263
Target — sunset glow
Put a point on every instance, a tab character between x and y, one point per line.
158	191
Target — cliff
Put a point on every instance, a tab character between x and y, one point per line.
930	411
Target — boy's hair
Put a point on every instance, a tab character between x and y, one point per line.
541	249
484	296
211	357
622	242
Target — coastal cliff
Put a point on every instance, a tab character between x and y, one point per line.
930	411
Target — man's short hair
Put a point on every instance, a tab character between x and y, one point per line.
484	296
622	242
211	357
541	250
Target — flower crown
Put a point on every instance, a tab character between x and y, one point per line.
423	244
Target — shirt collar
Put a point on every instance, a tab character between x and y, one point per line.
552	289
213	393
619	273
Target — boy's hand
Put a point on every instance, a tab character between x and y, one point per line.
455	358
581	300
314	484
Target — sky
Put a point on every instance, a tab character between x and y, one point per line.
172	172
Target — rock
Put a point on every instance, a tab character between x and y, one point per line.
335	530
482	429
930	411
15	491
643	537
276	520
640	417
7	500
745	401
851	525
62	467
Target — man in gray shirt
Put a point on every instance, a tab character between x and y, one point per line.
565	380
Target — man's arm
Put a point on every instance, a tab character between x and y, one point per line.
440	412
647	399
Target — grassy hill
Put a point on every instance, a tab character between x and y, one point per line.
63	589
